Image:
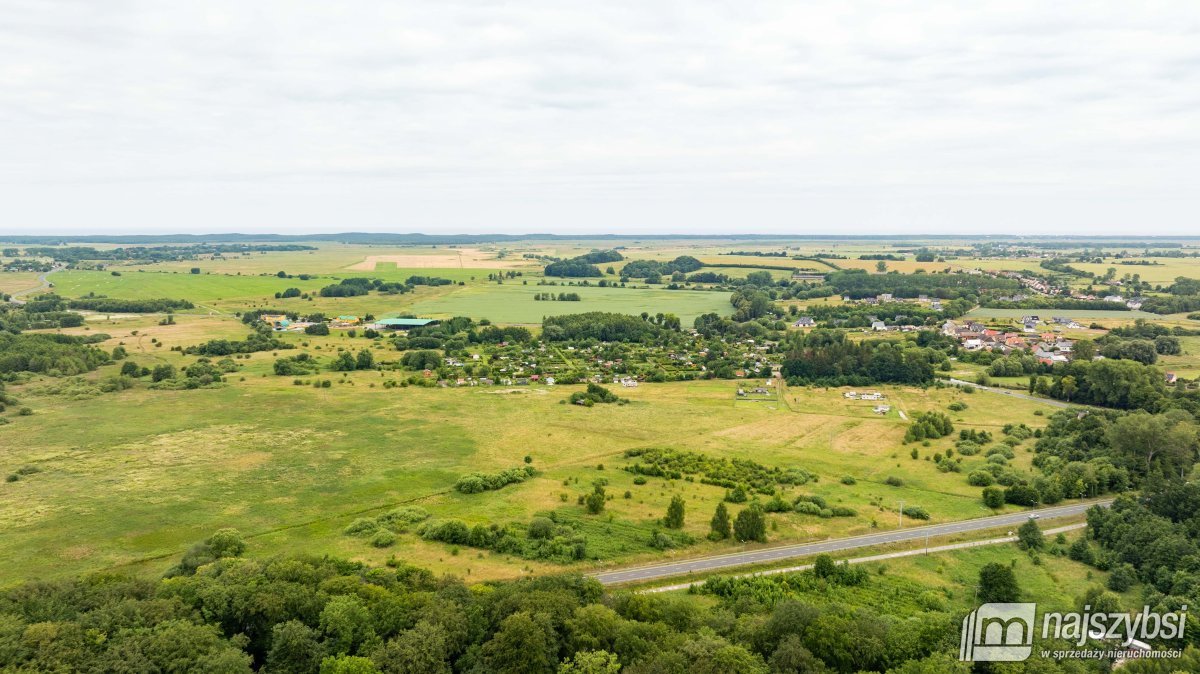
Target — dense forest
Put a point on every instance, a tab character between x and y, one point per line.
217	612
826	358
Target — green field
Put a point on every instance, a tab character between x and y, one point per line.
1098	314
133	477
513	302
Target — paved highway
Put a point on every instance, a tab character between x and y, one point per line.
1015	394
43	284
767	555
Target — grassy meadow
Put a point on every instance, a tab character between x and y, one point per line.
131	479
134	477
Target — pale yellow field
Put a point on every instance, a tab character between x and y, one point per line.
461	258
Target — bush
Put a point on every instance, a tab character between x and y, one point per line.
401	518
894	481
849	480
980	478
993	497
363	526
383	539
475	483
1122	578
806	508
915	512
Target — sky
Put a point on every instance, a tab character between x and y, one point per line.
294	116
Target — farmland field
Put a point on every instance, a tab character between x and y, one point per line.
128	479
134	477
514	303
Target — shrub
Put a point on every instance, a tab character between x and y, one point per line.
363	526
980	478
894	481
915	512
383	539
849	480
400	518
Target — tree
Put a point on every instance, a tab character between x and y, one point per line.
348	664
421	650
591	662
594	502
162	372
1068	385
346	623
1145	439
523	644
792	657
344	362
998	584
1084	350
674	518
720	525
1029	536
364	361
294	648
751	525
881	266
1122	578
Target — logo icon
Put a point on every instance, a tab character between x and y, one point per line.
998	633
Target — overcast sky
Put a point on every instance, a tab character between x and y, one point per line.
645	116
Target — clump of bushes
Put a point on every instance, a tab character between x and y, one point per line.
594	394
474	483
928	425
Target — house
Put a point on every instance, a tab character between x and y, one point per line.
1029	327
1171	378
804	322
884	297
871	396
549	381
878	326
1114	298
851	395
273	319
883	409
345	321
1030	319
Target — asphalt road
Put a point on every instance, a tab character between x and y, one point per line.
43	284
766	555
1015	394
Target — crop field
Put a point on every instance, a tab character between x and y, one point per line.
1067	313
512	302
11	282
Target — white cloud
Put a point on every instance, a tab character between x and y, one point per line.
585	117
